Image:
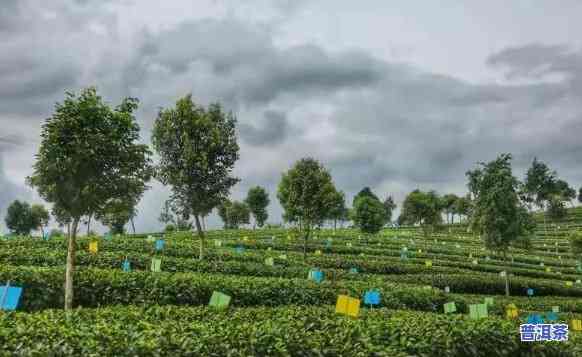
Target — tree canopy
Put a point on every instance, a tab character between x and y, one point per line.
422	208
369	214
19	218
305	192
499	215
258	200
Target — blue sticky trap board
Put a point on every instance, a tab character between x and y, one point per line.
160	244
535	319
354	270
372	297
239	249
12	297
316	275
530	292
552	316
46	235
126	266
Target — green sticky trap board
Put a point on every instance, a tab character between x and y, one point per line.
555	309
269	261
156	265
450	307
478	311
219	300
489	301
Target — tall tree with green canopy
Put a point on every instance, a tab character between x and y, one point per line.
499	215
369	214
238	213
338	210
257	200
223	213
40	217
89	155
463	206
305	192
422	208
19	219
198	149
389	207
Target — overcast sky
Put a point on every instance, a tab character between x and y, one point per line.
395	95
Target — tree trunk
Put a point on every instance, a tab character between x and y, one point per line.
203	223
89	224
70	269
132	224
200	236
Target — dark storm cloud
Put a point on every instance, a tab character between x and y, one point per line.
273	129
256	70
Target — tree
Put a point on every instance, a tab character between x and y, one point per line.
448	204
463	206
198	149
257	201
556	208
389	207
422	208
40	217
338	210
88	156
369	215
166	216
19	219
116	214
499	215
304	192
223	213
238	213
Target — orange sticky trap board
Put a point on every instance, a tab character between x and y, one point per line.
347	305
93	247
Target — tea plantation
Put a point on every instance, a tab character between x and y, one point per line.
275	309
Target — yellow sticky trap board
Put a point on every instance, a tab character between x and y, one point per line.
93	247
269	261
347	305
511	311
245	238
420	250
428	263
548	269
569	284
576	325
318	252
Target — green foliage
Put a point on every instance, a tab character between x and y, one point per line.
369	214
40	216
338	210
422	208
576	244
170	228
305	192
448	203
499	215
365	192
116	213
238	213
257	200
389	207
463	206
198	149
89	154
540	183
556	208
19	219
